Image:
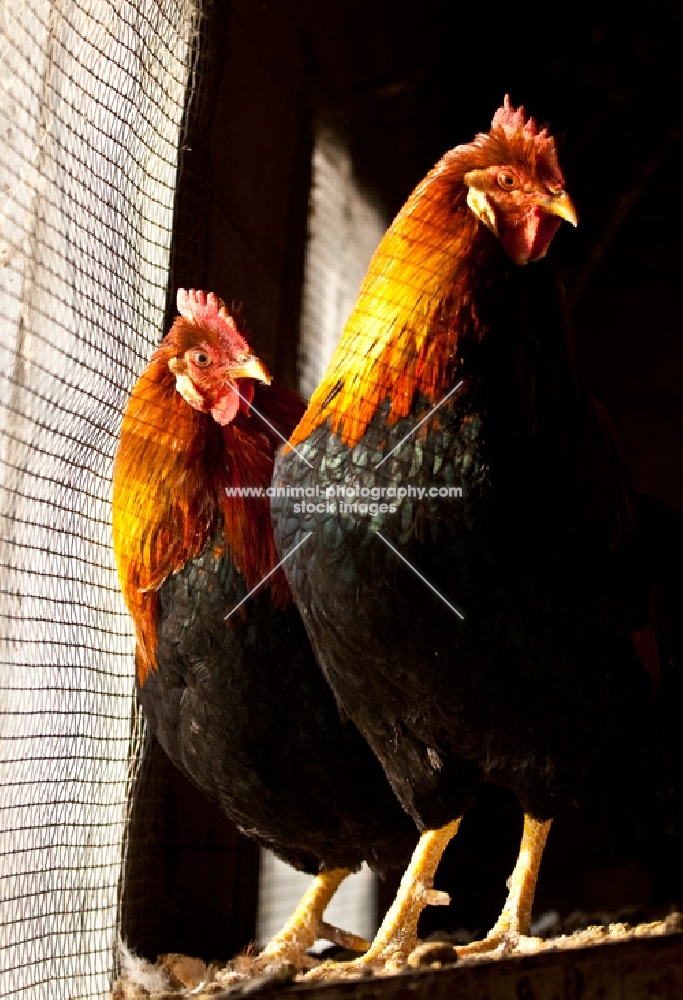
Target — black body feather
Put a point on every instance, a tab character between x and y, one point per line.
242	710
546	555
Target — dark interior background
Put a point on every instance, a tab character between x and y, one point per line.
401	82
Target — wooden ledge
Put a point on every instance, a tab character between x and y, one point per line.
630	964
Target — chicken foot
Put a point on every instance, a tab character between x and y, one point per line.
306	925
397	937
514	921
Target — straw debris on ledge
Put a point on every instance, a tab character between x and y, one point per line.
632	962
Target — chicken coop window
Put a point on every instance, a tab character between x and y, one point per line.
345	226
92	96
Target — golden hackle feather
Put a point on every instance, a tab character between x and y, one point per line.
170	474
402	337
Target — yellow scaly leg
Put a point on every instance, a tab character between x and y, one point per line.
397	936
306	925
515	918
514	921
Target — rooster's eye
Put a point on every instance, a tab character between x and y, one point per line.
201	359
507	180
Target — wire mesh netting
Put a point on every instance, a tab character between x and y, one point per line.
92	98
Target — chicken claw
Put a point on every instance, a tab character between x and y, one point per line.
397	937
305	926
514	922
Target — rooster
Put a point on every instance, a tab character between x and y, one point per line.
478	593
229	686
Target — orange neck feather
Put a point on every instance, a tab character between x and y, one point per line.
170	474
402	336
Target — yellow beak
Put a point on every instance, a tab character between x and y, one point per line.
251	367
562	206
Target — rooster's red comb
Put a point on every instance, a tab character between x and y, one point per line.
516	125
207	310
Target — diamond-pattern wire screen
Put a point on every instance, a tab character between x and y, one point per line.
92	95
